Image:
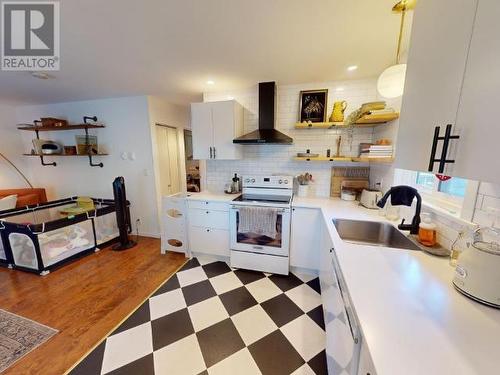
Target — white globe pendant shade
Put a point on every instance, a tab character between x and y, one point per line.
391	82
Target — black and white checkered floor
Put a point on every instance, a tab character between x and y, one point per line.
210	319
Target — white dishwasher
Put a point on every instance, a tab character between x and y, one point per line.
343	336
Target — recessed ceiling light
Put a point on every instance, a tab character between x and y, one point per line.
210	82
339	89
41	75
352	68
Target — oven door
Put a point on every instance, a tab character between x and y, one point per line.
255	243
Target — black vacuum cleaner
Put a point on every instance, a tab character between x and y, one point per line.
122	215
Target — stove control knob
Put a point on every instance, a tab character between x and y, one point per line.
253	180
280	182
247	180
286	182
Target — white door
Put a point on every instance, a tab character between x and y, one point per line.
202	130
440	38
477	116
168	159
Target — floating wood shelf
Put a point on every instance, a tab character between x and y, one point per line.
345	159
373	160
50	155
322	158
365	121
84	126
33	128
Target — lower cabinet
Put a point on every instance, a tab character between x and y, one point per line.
305	238
208	227
366	366
209	241
343	336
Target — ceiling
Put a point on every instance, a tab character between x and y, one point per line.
172	47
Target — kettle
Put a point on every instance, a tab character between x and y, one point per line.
476	274
338	111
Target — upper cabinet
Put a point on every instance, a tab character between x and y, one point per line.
439	44
214	126
477	121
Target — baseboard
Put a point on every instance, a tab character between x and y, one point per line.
146	234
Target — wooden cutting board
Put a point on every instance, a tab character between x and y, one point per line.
351	174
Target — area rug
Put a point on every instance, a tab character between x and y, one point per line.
19	336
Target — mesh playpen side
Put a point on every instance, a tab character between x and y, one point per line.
38	238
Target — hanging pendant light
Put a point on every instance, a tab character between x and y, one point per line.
391	82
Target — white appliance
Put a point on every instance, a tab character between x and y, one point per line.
477	273
262	253
370	198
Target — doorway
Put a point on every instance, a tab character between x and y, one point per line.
192	166
168	159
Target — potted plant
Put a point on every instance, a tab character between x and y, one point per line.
303	180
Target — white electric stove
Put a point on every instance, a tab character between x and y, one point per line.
259	252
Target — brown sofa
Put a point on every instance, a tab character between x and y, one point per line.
26	197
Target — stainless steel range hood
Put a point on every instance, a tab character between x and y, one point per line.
266	134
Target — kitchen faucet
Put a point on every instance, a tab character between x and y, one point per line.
403	195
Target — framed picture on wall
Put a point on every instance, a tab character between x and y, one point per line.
312	106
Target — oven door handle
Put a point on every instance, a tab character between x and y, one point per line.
280	211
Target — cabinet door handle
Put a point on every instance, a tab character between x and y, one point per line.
444	151
215	155
433	149
446	145
211	157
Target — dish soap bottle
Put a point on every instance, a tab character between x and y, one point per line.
427	231
458	246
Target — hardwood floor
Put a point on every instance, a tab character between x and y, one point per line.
84	300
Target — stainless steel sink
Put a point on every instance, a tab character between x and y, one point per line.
372	233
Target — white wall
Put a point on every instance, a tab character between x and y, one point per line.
11	146
127	131
270	159
173	115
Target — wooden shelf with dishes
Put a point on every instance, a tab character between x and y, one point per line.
53	124
66	155
344	159
365	121
41	128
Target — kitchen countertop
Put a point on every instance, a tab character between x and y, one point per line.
206	196
413	320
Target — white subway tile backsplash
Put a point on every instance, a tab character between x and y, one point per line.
274	159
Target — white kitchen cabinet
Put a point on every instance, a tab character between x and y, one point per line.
477	123
209	241
440	38
343	336
209	218
214	126
366	366
305	239
208	227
